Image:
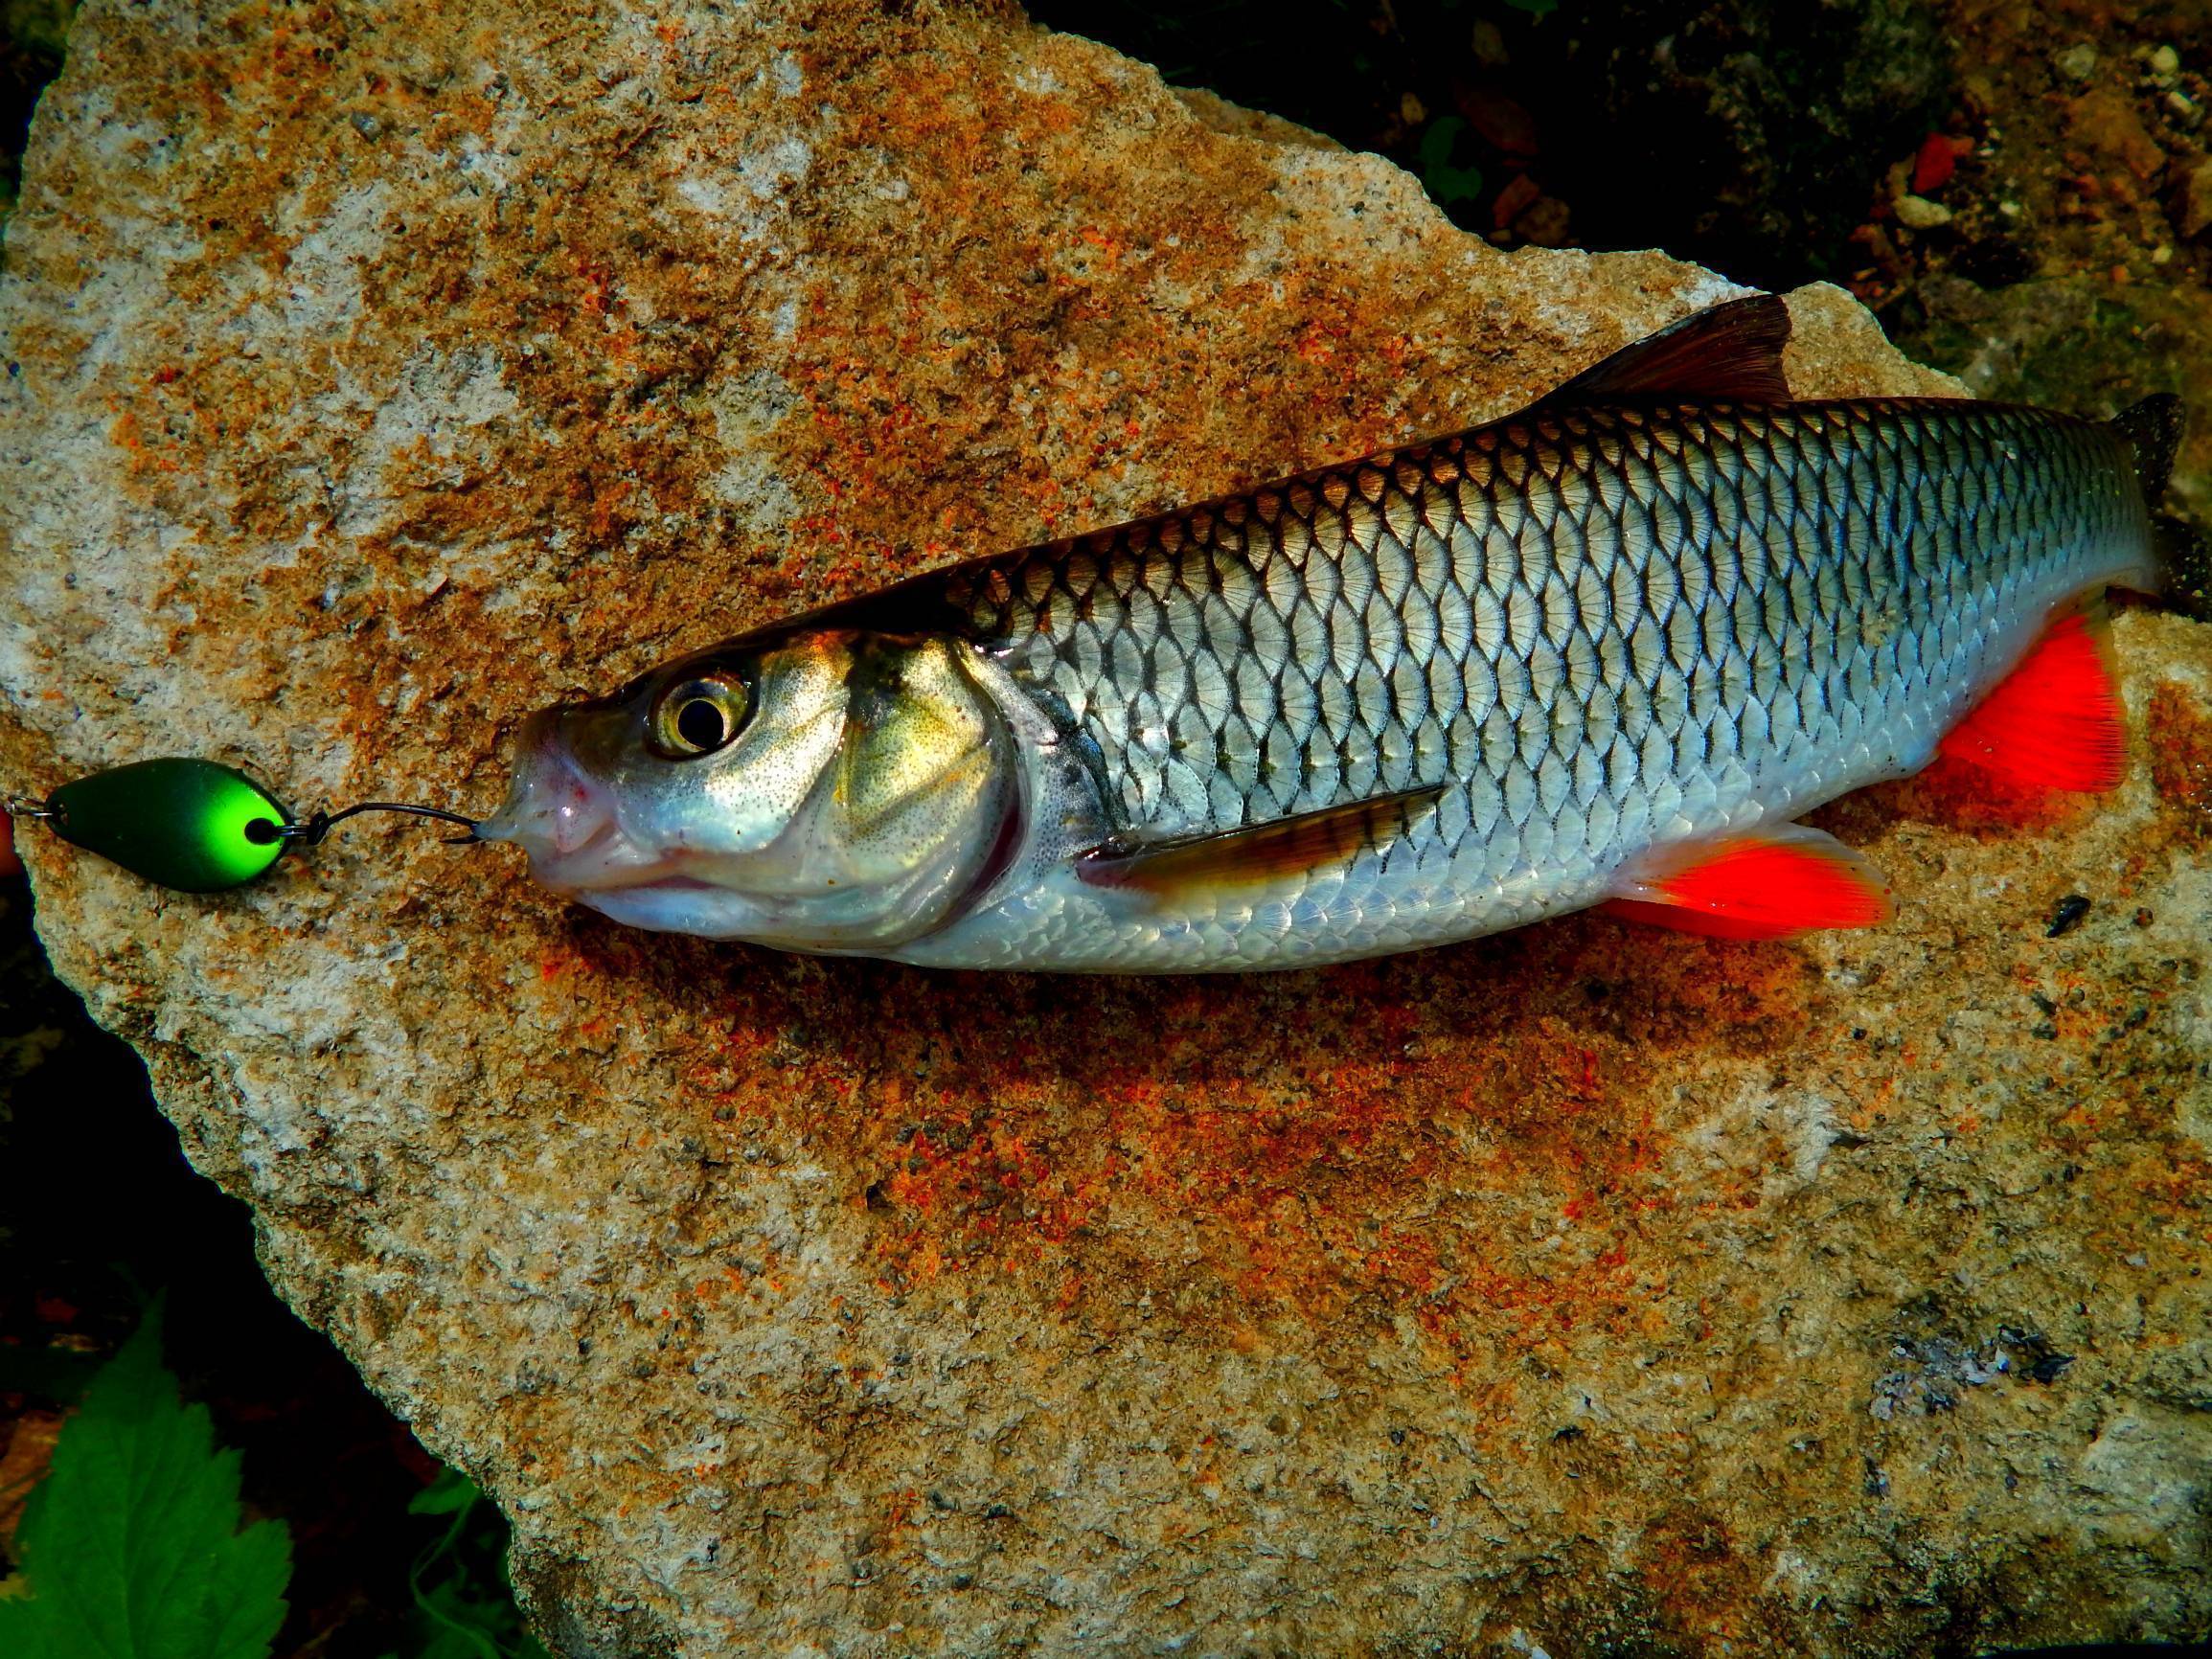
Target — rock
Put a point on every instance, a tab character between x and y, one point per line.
2106	123
2193	202
1544	222
1920	214
2077	62
377	373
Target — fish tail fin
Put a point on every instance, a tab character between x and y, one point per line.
2153	429
2184	555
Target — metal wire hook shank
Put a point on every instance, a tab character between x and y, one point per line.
309	831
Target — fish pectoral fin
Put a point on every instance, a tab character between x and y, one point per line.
1770	884
1259	854
2055	721
1731	354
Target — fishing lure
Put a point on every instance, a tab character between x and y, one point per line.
191	825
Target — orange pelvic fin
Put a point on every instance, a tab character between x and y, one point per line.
1770	884
2056	722
1259	854
1731	354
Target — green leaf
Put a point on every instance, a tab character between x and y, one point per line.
451	1491
470	1611
130	1547
464	1626
1447	184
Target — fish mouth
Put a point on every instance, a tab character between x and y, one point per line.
564	818
604	860
635	880
567	821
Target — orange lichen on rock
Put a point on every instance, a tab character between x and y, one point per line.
2180	741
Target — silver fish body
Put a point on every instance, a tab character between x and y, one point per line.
1544	653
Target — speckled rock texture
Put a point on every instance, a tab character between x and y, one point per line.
377	373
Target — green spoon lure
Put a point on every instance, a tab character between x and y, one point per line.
194	825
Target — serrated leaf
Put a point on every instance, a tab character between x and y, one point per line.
130	1547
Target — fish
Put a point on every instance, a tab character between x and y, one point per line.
1606	650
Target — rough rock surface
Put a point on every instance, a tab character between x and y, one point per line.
376	374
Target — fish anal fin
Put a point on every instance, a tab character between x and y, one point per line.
1257	856
2055	721
1770	884
1731	354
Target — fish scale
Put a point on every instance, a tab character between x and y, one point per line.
1590	627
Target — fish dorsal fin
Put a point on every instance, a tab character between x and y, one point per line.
1770	884
2055	721
1731	354
1259	854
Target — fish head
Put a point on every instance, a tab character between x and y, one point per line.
825	790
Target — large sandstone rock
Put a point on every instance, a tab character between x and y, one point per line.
376	374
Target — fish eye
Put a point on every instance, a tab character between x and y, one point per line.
698	715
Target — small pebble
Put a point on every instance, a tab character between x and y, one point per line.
2067	916
2010	209
1920	214
2077	62
2165	63
2181	104
2161	255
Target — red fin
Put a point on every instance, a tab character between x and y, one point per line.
1258	855
2055	721
1731	354
1770	885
